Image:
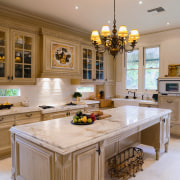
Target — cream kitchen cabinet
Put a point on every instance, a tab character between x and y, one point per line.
60	114
57	46
85	163
173	103
6	122
92	65
17	57
4	55
29	117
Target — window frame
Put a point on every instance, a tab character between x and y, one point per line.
125	66
144	68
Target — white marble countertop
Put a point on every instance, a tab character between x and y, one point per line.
136	100
17	110
63	108
86	101
61	136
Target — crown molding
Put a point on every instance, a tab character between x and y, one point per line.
37	20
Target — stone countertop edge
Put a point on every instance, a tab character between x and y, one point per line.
19	110
63	151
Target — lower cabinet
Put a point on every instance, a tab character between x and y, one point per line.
85	163
33	162
25	118
5	140
61	114
6	122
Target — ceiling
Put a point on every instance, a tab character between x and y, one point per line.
92	14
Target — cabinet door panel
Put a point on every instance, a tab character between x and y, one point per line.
33	162
5	142
85	164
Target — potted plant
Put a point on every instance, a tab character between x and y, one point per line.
77	95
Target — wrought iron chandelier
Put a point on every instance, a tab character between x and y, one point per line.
115	43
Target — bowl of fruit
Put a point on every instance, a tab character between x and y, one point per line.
83	119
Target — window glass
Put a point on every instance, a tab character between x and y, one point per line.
9	92
132	65
85	89
151	60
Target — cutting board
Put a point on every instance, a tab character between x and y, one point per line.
104	116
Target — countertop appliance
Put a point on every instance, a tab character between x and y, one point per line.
169	86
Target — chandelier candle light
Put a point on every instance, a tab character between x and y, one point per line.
115	43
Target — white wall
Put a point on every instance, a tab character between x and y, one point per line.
169	42
47	91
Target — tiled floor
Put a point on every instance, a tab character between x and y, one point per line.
167	168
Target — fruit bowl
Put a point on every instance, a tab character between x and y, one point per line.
81	123
6	106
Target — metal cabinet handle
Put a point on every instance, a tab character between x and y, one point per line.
8	77
28	115
2	119
164	120
11	77
170	101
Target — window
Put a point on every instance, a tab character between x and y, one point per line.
9	92
132	65
85	89
151	67
99	66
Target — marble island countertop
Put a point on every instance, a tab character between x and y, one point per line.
63	137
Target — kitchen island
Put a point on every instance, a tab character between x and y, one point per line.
59	150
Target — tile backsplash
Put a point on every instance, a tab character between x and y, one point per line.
47	91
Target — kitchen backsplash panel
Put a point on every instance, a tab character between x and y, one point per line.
47	91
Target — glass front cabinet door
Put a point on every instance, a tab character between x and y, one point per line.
4	51
23	57
92	66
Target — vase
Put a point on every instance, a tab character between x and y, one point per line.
77	98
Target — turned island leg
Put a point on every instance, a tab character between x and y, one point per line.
157	153
166	146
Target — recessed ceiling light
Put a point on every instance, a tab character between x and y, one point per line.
140	2
168	23
109	21
76	7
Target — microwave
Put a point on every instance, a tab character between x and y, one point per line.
169	86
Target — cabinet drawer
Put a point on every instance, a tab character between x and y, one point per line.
55	115
6	119
29	115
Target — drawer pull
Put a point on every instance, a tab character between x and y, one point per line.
2	119
170	101
28	115
164	120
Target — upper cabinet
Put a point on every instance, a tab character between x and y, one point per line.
23	57
17	57
92	65
61	55
4	54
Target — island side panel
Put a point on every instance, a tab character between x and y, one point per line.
32	162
